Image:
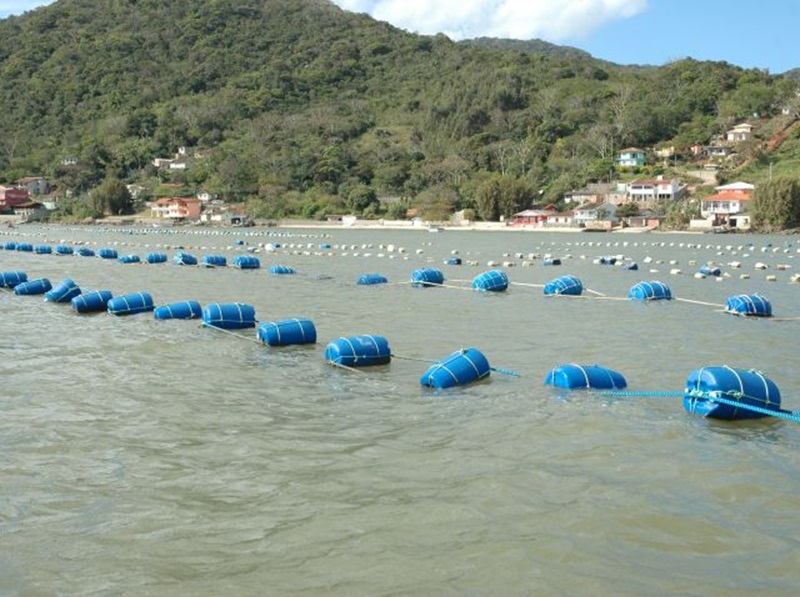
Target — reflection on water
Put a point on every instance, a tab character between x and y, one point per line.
157	457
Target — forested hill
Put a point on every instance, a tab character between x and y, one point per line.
297	104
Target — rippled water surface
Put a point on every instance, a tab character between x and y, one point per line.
144	457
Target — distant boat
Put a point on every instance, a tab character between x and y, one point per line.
435	229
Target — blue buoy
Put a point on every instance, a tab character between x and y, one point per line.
572	376
427	276
281	270
156	258
491	281
106	253
749	304
748	387
568	285
43	249
608	260
214	261
358	351
64	250
246	262
25	247
650	291
229	316
552	261
287	332
370	279
179	310
632	266
10	245
452	261
129	259
63	292
710	270
129	304
11	279
91	302
325	246
182	258
459	368
85	252
37	286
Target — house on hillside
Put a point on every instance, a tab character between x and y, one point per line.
30	211
646	192
593	213
11	197
177	208
36	185
532	217
564	219
741	132
631	157
728	206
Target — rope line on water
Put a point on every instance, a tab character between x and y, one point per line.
230	333
345	367
627	394
694	302
432	362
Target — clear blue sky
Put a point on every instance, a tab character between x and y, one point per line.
743	32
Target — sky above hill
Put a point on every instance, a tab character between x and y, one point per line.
743	32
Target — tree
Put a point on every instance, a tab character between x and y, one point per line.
112	197
776	204
627	210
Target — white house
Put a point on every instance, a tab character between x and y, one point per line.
728	206
631	157
741	132
646	192
593	212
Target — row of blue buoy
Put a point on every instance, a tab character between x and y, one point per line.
716	392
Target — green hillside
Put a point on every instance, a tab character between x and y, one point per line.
299	107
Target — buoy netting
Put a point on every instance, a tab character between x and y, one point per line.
710	270
129	259
11	279
25	247
10	246
281	270
107	253
452	261
491	281
359	351
90	302
650	291
179	310
459	368
37	286
749	304
43	249
64	250
573	376
287	332
63	292
370	279
229	316
569	285
214	261
85	252
129	304
182	258
749	387
427	276
246	262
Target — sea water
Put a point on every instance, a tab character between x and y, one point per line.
145	457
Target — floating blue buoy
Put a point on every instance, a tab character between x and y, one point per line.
25	247
129	304
650	291
491	281
281	270
11	279
64	250
85	252
325	246
37	286
106	253
607	260
229	316
452	261
594	377
750	388
129	259
156	258
749	304
710	270
427	276
63	292
459	368
370	279
632	266
214	261
179	310
569	285
238	242
43	249
91	302
246	262
358	351
10	246
287	332
552	261
182	258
